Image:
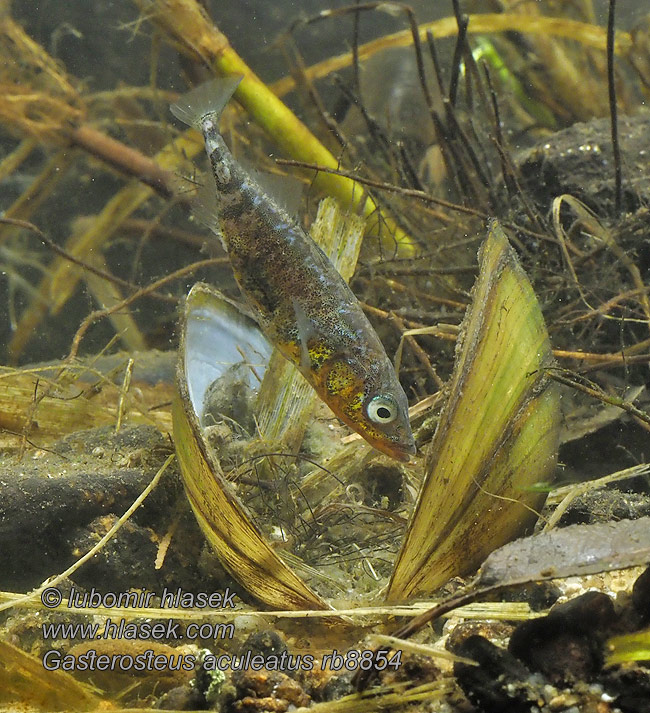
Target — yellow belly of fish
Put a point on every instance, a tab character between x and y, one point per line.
337	385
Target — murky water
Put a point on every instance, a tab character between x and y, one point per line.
98	250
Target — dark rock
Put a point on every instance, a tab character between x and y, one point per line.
267	691
579	161
266	643
38	514
641	594
498	683
182	698
492	630
631	688
338	686
54	509
127	560
567	644
538	595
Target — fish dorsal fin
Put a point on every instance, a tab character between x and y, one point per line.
285	191
208	98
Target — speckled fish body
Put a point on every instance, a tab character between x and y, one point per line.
299	298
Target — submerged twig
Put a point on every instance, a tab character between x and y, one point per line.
436	63
613	111
109	277
463	22
596	392
125	159
147	290
415	193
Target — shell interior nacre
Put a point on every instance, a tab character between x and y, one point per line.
218	335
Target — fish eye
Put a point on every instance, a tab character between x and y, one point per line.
382	409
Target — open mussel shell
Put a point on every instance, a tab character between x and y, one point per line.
497	435
215	336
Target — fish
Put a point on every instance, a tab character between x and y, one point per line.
297	296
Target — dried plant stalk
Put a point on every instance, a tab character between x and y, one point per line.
23	678
68	407
57	287
41	99
588	35
189	28
12	161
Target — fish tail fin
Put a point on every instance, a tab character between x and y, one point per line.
208	98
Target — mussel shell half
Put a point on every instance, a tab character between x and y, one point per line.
214	335
218	335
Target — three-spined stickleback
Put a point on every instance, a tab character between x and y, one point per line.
301	302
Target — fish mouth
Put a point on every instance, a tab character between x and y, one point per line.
398	451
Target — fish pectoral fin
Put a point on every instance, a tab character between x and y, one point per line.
205	210
306	330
